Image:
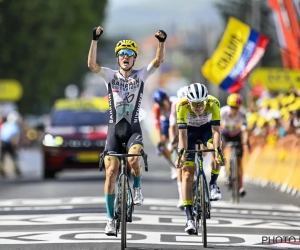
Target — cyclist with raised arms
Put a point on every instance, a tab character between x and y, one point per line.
234	129
198	118
125	92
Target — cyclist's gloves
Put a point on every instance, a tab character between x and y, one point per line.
95	36
161	39
160	148
181	152
220	159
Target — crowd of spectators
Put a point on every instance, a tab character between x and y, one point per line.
274	115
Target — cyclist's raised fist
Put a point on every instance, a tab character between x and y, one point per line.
161	35
97	32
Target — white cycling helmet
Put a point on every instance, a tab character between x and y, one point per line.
197	92
182	92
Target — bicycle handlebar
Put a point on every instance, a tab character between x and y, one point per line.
218	149
105	153
233	144
238	144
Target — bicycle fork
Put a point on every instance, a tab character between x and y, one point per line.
130	204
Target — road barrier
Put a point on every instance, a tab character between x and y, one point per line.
275	162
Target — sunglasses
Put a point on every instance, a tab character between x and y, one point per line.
127	52
198	104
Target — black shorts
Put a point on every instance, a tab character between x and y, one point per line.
236	138
196	135
7	147
120	133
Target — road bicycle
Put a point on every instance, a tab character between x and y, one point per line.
201	202
124	205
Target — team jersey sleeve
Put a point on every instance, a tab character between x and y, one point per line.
222	112
173	114
156	114
181	113
105	74
215	111
244	120
146	71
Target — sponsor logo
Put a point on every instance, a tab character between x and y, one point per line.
128	98
111	117
124	85
136	116
214	101
139	138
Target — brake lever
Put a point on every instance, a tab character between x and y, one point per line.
101	161
179	156
145	156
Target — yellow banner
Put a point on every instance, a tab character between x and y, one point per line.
275	79
10	90
228	52
96	103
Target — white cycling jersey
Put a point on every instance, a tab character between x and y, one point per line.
125	94
232	126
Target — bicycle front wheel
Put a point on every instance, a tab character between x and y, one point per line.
124	198
235	180
203	201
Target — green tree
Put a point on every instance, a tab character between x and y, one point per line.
44	43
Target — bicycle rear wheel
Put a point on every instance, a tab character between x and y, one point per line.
124	190
203	200
235	180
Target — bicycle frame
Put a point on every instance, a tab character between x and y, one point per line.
201	195
124	194
200	171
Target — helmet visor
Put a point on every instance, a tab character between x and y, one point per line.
127	52
198	104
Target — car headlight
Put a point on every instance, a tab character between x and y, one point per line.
51	141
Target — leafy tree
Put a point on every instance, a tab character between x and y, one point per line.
43	43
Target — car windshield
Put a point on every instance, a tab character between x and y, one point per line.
79	118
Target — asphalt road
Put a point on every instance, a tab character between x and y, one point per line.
69	213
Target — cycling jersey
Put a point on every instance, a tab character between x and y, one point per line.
161	115
232	126
125	94
124	97
186	117
196	135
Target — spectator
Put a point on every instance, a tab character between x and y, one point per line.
10	139
294	125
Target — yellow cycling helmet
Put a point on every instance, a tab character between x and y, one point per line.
126	44
234	100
